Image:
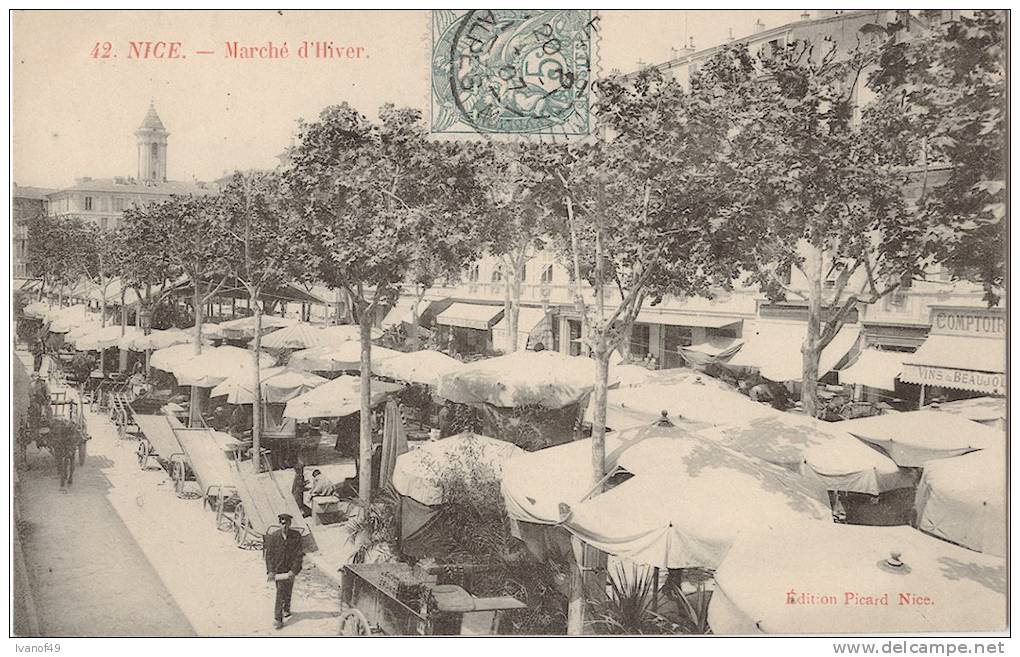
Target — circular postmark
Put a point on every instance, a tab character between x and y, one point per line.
513	71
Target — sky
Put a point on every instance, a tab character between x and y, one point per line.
74	113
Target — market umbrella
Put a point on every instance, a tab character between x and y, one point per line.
689	502
339	397
105	338
963	500
845	579
335	359
279	385
913	438
524	378
168	358
302	336
424	366
815	449
394	442
161	339
418	473
36	310
217	364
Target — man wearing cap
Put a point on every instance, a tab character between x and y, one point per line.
284	554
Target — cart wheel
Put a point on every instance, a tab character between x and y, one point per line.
354	623
82	451
178	477
143	452
239	521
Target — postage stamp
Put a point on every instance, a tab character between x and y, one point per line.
513	71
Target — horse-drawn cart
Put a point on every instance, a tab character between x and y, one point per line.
398	599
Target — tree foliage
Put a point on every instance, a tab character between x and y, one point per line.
941	109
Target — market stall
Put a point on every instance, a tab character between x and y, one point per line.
425	367
338	398
912	439
963	500
345	357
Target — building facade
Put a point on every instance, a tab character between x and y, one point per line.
675	330
103	200
27	203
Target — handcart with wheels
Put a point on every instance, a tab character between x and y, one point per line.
399	599
262	499
205	461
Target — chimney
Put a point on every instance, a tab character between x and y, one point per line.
690	45
674	53
805	16
729	38
759	27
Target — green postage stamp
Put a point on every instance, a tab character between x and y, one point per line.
513	71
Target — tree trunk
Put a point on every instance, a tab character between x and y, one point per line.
122	353
365	451
585	578
810	349
256	408
195	411
513	317
102	307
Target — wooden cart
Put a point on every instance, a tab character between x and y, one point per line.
262	499
157	440
397	599
205	459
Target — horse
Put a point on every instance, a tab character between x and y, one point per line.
63	440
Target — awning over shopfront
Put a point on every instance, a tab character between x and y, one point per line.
660	316
531	322
875	369
960	362
467	315
774	348
714	349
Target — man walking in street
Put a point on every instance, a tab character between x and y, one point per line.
284	554
297	490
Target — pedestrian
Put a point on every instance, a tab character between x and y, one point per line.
284	554
321	485
38	349
297	489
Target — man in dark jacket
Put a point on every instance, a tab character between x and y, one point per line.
284	554
297	490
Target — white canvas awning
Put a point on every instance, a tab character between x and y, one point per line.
875	369
402	312
528	319
960	362
468	315
774	348
661	316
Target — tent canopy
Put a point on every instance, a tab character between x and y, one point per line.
338	398
304	336
168	358
774	348
279	385
684	394
913	438
424	366
418	473
162	339
688	502
815	449
986	410
545	378
244	327
963	500
105	338
965	591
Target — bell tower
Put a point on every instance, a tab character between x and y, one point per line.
151	137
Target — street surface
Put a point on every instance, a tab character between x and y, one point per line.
121	555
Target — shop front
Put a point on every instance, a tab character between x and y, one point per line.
965	351
466	329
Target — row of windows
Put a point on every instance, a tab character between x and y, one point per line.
103	203
545	277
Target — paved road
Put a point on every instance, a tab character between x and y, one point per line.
121	555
